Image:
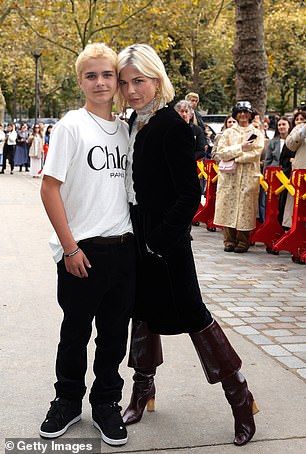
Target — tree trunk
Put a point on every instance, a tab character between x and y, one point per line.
250	57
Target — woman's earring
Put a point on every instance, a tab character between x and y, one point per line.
156	100
124	107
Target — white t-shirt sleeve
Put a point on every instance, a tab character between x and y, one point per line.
61	151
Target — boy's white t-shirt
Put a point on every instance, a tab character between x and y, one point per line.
91	165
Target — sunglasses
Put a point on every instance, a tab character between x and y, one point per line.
244	105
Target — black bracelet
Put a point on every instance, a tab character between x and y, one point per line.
72	253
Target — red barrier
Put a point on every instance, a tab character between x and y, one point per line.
271	230
294	240
303	258
206	213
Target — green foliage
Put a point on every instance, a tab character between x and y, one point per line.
194	38
285	27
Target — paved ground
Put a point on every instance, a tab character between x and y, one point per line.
259	295
259	299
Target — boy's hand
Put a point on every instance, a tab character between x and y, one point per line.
77	264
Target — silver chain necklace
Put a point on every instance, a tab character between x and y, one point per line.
100	126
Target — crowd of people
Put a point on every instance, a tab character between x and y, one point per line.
243	141
24	147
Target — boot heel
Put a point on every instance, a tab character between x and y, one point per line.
151	404
255	408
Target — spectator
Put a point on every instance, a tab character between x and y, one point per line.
47	134
262	193
296	142
193	99
22	149
47	142
209	138
237	192
275	145
2	139
184	110
36	151
273	157
228	123
9	147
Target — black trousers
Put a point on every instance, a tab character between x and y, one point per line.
106	296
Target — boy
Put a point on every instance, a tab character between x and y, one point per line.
84	195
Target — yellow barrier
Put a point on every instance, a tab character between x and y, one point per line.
279	173
285	183
263	183
201	167
304	195
216	169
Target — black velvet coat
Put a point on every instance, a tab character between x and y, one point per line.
168	194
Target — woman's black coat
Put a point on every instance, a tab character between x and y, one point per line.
168	195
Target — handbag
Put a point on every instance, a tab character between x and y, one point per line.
227	166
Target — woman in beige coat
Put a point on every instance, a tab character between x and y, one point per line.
296	141
237	192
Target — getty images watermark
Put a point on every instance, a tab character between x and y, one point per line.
63	446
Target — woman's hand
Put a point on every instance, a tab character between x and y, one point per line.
247	146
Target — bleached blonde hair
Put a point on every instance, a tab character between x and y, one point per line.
94	50
192	95
148	63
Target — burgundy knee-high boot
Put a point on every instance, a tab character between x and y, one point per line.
221	363
145	355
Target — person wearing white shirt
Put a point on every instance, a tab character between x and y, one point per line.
83	191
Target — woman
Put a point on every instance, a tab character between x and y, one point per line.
46	142
22	149
237	192
228	123
275	157
275	145
296	142
161	148
36	151
48	134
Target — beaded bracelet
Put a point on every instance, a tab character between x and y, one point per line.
72	253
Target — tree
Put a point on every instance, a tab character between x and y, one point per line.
63	28
195	39
250	57
286	55
4	14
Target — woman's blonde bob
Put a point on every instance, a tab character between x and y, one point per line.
146	60
94	50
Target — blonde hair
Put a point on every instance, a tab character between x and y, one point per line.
146	60
94	50
192	95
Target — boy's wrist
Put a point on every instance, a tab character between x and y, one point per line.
70	248
71	254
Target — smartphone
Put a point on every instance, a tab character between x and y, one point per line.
252	137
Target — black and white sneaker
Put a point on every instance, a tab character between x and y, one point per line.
61	415
107	418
